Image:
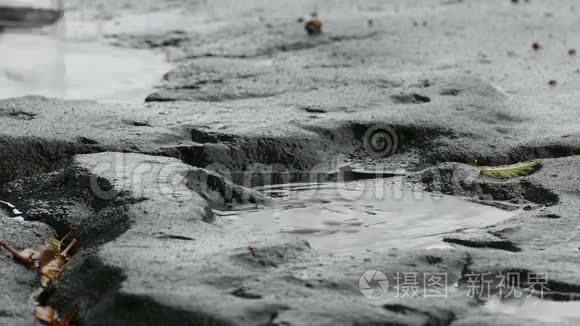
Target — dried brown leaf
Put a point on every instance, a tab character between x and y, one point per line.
52	261
52	248
49	272
46	315
47	255
31	254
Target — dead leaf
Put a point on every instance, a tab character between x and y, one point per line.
31	254
50	250
48	316
52	259
50	271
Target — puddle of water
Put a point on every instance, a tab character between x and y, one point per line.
353	217
35	64
560	312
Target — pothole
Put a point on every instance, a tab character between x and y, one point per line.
366	215
35	64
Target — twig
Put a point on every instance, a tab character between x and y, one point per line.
64	253
72	231
16	255
66	319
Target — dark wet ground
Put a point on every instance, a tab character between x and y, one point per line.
454	81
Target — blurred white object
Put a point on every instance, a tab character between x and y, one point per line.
36	64
30	64
47	61
31	60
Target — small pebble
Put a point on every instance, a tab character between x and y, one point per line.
552	83
572	52
536	46
313	27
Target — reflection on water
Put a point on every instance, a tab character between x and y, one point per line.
37	64
346	218
549	312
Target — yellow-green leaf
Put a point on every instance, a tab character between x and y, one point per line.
52	243
511	171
